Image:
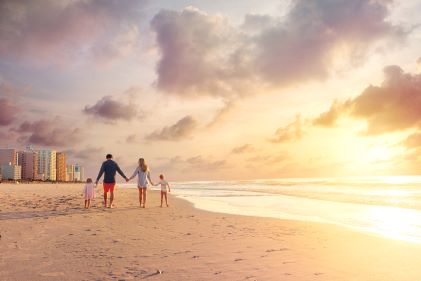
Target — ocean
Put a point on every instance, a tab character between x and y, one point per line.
386	206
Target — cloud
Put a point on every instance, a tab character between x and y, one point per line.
242	149
329	118
180	130
413	140
52	31
192	46
49	132
8	103
110	109
8	111
202	54
268	159
392	106
199	163
132	139
305	45
291	132
222	113
88	153
196	163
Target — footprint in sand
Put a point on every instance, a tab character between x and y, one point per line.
276	250
53	274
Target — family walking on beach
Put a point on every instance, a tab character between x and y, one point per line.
109	169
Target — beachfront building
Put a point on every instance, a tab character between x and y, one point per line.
8	155
79	172
47	164
60	166
28	160
70	172
10	172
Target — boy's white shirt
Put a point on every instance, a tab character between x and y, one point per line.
164	184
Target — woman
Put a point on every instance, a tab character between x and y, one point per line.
143	174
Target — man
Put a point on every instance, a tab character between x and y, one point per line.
109	168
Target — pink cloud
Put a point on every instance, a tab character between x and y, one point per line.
56	31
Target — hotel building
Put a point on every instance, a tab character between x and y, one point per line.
61	166
8	156
47	164
28	160
70	172
10	172
79	172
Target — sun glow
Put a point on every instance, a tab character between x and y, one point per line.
379	153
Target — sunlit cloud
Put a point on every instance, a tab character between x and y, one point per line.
291	132
182	129
202	54
246	148
392	106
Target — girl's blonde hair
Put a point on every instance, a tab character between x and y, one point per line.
142	164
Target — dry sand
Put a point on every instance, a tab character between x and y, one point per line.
47	235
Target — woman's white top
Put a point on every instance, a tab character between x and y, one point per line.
142	177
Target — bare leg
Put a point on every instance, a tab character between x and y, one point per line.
89	203
144	197
140	197
105	199
166	201
162	195
111	198
86	203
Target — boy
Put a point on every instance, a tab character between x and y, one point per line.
164	185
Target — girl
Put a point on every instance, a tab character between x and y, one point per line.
143	174
88	192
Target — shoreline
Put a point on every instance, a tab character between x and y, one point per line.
55	238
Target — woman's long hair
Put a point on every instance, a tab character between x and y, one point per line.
142	164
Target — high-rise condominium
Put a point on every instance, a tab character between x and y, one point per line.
29	162
47	164
61	166
8	156
70	172
79	172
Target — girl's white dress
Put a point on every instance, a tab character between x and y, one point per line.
89	191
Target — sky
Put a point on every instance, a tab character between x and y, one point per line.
216	90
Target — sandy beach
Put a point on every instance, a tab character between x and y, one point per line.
47	235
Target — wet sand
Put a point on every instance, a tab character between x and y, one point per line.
47	235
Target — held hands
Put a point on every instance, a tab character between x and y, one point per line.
127	179
96	182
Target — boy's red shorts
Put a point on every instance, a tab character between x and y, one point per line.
108	187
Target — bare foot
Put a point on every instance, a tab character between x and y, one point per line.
160	206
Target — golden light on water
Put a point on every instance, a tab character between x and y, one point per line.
393	222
